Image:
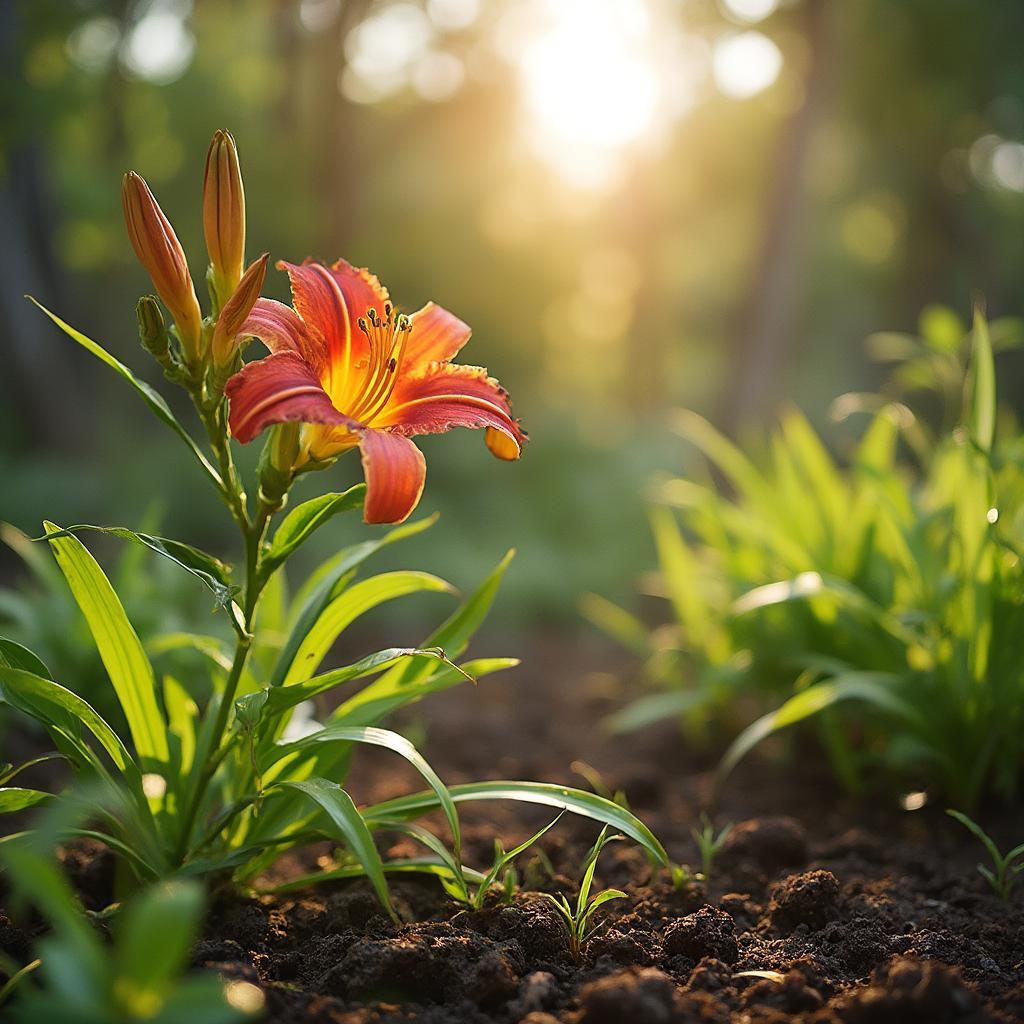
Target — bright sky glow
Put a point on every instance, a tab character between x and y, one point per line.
745	64
590	81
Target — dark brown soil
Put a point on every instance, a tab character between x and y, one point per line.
852	912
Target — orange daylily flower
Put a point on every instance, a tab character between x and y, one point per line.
358	374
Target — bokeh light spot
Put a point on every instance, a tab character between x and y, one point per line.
159	46
749	11
745	64
93	45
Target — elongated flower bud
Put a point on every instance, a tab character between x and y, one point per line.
160	252
236	310
224	215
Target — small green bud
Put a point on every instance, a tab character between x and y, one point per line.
277	462
152	329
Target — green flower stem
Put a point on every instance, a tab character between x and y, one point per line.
232	493
253	529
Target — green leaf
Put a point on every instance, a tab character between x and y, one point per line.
152	398
153	941
284	697
14	799
327	582
13	655
809	585
679	573
200	999
211	647
980	834
390	692
588	805
350	823
118	645
619	624
453	636
456	881
438	867
506	857
66	715
10	771
353	602
304	519
211	571
871	687
249	709
182	717
716	447
981	413
654	708
380	738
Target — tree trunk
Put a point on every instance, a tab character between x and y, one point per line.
763	343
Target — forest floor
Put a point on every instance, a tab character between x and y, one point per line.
861	912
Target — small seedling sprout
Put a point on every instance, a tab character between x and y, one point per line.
1003	874
709	844
576	920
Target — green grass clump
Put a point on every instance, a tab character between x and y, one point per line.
881	597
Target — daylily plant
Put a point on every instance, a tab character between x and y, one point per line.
355	372
209	777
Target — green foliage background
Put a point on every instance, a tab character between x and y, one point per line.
892	203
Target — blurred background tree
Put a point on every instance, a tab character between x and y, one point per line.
635	203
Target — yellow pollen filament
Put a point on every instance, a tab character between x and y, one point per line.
387	336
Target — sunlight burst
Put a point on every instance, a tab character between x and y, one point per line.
590	83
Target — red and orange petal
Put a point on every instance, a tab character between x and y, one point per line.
395	472
281	329
448	395
435	336
237	309
279	389
331	300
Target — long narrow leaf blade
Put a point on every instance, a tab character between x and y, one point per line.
13	798
323	586
588	805
350	823
165	918
981	414
390	692
871	687
345	609
211	571
13	655
118	645
454	635
390	741
152	398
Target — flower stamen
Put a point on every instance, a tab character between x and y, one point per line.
387	337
